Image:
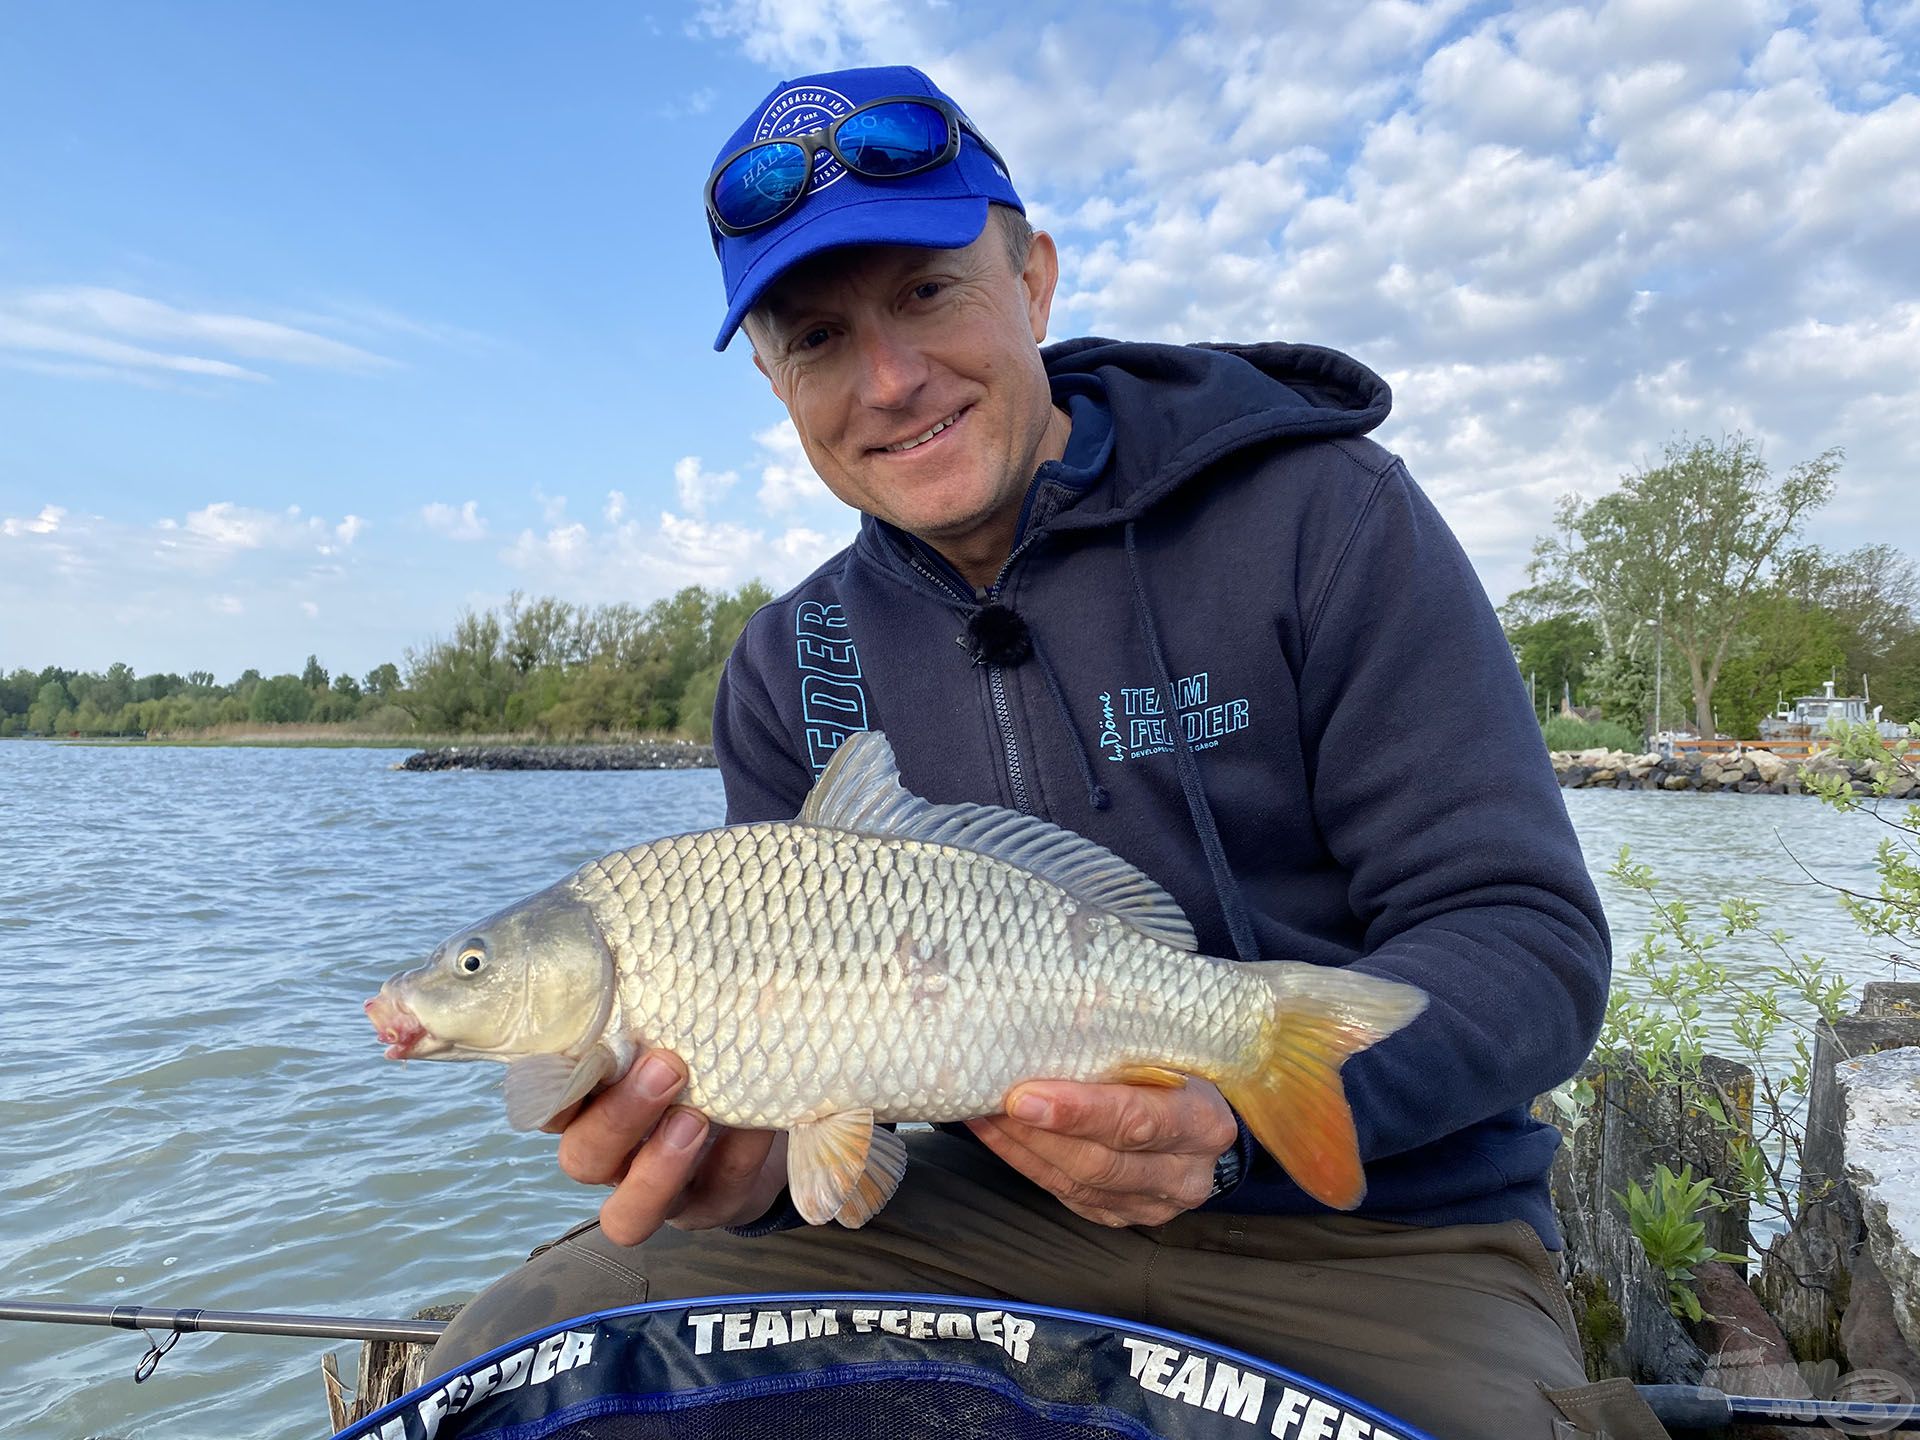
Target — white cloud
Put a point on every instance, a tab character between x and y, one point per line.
311	610
227	605
1566	231
698	487
466	523
787	478
215	536
117	335
45	523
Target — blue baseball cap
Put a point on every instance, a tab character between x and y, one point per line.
941	209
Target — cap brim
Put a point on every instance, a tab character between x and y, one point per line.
943	222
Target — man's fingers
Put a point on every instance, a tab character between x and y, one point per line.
660	1170
1192	1120
1138	1189
742	1173
595	1147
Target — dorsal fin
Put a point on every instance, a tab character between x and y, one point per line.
861	791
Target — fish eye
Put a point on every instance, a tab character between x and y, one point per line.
472	962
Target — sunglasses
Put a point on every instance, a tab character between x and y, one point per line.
887	139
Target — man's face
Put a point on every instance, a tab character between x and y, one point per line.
871	348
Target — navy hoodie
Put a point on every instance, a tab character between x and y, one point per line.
1220	558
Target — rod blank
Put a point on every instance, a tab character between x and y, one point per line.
235	1322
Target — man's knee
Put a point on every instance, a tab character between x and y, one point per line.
577	1274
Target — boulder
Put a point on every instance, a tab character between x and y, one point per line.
1869	1332
1677	782
1768	766
1881	1144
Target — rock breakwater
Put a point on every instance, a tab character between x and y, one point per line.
1756	772
636	755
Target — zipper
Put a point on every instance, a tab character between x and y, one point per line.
996	674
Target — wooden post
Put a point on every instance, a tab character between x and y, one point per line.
388	1370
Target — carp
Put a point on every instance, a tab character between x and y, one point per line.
883	958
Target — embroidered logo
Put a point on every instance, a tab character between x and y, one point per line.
1134	722
796	111
833	701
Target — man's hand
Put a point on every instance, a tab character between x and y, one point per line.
1114	1154
666	1164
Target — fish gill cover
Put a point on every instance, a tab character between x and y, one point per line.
905	1367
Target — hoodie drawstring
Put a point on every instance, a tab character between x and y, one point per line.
1097	795
1239	925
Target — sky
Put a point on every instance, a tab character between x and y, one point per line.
320	323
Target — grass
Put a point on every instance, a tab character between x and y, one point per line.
1567	732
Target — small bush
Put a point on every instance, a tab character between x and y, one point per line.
1566	732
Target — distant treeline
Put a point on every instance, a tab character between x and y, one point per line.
541	667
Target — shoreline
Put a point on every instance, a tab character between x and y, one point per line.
629	755
1757	772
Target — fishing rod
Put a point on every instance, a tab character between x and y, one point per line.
1686	1408
148	1318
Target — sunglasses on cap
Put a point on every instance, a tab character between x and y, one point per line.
887	139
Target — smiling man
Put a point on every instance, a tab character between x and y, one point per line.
1171	598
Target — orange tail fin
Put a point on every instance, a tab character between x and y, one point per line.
1291	1098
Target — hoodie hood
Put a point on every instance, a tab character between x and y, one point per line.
1181	408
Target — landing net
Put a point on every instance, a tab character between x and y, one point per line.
842	1367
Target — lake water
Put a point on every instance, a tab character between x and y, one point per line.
193	1111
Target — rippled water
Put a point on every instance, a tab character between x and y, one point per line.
193	1111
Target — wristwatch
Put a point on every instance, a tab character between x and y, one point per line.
1227	1171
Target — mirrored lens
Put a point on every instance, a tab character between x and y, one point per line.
760	184
892	139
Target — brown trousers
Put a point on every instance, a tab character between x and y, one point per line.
1462	1330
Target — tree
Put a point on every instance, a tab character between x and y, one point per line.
314	677
1555	650
382	681
1689	541
1789	647
283	700
200	679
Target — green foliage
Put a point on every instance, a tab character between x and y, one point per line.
1787	647
1687	543
283	700
1569	732
542	666
1556	651
1660	1023
1665	1219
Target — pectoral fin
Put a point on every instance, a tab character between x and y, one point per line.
539	1087
1158	1077
840	1168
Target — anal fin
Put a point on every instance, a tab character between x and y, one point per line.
886	1166
840	1167
539	1087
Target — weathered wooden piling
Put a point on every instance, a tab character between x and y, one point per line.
388	1370
1792	1327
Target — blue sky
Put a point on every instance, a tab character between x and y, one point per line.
319	323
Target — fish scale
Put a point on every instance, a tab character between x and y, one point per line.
883	958
938	1008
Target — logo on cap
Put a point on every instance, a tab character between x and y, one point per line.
804	108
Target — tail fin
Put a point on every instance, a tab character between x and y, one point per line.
1292	1099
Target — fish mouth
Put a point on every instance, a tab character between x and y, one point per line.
396	1025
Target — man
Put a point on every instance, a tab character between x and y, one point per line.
1167	597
